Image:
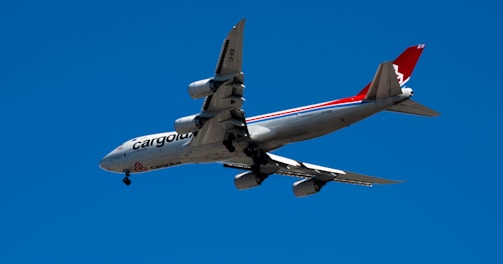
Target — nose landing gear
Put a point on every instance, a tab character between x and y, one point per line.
126	179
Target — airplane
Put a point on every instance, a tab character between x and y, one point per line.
221	133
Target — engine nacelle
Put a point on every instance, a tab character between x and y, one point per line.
188	124
247	180
203	88
307	187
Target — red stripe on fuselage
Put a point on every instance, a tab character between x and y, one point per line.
307	108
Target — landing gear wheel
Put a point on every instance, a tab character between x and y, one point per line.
126	181
260	176
259	156
228	144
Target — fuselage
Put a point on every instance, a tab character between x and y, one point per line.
268	132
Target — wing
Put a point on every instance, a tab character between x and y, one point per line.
229	61
221	111
288	167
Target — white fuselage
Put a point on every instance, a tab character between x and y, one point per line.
268	132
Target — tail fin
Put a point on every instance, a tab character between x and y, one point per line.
389	79
384	84
403	66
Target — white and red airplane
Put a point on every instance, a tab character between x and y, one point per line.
221	133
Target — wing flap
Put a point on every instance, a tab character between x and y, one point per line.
228	96
221	124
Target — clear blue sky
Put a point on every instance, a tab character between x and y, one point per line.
79	78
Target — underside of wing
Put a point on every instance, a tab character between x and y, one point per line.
230	59
290	167
221	118
227	124
315	176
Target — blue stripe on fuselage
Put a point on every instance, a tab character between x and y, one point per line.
306	111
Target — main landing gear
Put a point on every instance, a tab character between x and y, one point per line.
259	156
126	179
228	143
260	161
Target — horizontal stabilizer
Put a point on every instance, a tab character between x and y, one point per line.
412	107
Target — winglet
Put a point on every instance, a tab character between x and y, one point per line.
403	66
230	58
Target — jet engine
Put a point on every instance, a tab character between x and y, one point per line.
203	88
188	124
307	187
249	179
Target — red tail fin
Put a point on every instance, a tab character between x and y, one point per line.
404	65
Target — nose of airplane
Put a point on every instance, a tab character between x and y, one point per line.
115	160
110	161
105	163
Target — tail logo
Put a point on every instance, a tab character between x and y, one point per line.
399	75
